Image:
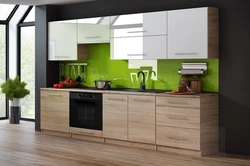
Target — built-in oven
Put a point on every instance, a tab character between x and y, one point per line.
86	110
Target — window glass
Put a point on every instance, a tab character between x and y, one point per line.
2	70
5	11
28	70
31	16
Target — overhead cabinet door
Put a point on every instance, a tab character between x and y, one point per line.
188	33
93	30
63	40
144	47
142	24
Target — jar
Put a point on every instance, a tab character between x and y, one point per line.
196	84
183	84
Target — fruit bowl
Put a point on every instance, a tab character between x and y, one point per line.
69	84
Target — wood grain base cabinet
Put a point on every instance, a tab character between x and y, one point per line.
55	110
115	116
188	125
141	119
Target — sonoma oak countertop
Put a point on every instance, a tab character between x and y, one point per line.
198	95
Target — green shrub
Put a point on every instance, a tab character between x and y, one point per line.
14	88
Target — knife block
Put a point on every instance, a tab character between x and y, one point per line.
196	86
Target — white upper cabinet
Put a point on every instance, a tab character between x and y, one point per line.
93	30
142	24
144	47
62	44
193	33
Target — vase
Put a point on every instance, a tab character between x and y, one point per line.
15	111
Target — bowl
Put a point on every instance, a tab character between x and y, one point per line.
69	84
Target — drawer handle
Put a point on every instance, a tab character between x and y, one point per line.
116	99
178	117
62	56
86	132
174	102
143	101
137	54
55	95
178	138
93	37
136	31
187	53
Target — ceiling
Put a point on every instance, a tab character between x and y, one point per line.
41	2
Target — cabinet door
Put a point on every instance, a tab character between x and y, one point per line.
145	47
115	116
155	23
55	110
62	41
127	48
188	34
141	119
94	30
141	24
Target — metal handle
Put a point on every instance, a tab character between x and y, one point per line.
178	138
55	95
174	102
144	101
116	99
86	132
178	117
137	54
136	31
93	37
188	53
62	56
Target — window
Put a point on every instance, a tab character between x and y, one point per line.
2	69
31	16
27	62
5	11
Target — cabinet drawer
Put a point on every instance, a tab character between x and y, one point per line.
89	132
178	117
178	102
178	137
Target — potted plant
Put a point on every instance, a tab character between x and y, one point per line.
14	89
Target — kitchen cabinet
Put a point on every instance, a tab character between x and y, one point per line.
139	36
144	47
188	123
141	24
62	43
55	110
93	30
115	116
141	118
193	33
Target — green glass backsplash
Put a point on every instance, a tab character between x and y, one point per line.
99	64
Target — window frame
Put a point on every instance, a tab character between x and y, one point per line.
6	23
22	24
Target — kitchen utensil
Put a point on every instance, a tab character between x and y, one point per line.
62	71
73	72
78	79
102	84
83	77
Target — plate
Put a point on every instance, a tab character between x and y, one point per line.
181	93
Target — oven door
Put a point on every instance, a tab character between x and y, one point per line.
86	113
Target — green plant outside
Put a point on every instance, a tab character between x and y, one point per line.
99	64
14	88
